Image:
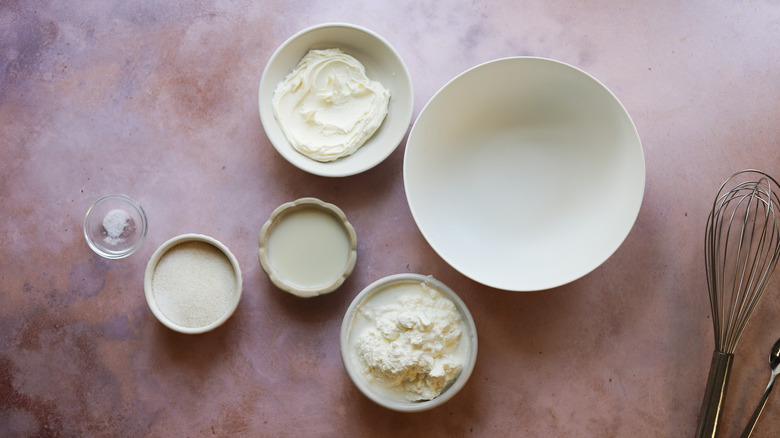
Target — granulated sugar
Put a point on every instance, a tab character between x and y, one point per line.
194	284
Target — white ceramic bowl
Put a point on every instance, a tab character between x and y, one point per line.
382	63
313	245
230	300
524	173
351	361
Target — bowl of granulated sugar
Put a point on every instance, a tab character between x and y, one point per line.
192	283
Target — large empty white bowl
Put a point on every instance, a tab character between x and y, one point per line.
382	62
524	173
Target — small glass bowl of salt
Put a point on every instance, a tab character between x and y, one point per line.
115	226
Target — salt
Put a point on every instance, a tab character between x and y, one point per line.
118	226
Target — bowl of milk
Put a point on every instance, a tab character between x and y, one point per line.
307	247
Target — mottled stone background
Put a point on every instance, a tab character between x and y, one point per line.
158	100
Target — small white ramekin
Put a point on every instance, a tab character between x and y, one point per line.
152	265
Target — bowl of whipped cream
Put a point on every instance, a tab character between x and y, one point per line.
408	342
335	99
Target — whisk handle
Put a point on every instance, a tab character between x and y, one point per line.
715	394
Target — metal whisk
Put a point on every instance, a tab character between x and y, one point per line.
742	247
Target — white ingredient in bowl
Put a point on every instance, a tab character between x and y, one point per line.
118	226
410	341
194	284
327	107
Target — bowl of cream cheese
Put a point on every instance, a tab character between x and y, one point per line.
335	99
408	342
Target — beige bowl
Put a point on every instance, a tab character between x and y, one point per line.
192	283
308	247
524	173
382	62
358	318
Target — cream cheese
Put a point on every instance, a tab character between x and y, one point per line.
327	107
409	341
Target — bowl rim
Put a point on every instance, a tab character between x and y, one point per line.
143	227
277	216
355	375
619	105
267	117
151	266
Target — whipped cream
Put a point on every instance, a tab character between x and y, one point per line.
410	343
327	107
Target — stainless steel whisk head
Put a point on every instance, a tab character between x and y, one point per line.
741	247
742	244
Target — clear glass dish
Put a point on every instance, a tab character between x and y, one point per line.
115	226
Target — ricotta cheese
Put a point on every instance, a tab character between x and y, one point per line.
412	350
327	107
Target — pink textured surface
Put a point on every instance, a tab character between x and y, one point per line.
158	100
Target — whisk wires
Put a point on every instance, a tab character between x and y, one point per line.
742	245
